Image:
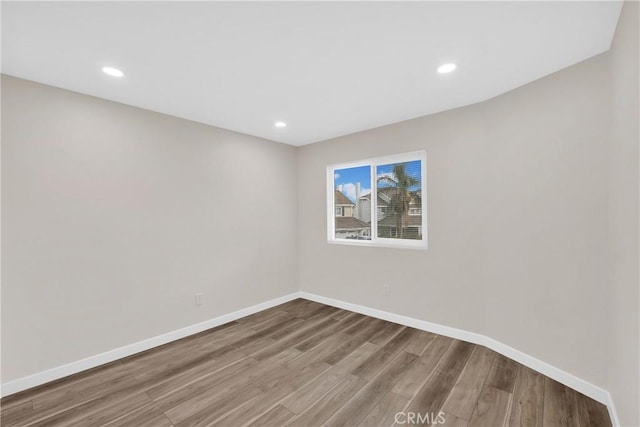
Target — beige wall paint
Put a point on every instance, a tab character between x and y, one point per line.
624	308
517	208
113	217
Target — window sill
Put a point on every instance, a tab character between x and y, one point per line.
414	244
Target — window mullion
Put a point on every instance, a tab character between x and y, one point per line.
374	205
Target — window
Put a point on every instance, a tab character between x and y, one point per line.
378	202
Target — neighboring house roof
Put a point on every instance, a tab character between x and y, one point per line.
341	199
409	221
385	194
381	201
350	223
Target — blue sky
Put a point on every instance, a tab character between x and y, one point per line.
362	174
349	177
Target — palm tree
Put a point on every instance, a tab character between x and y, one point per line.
401	196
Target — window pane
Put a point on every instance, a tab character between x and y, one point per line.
399	187
352	202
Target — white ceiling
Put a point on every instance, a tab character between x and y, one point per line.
325	68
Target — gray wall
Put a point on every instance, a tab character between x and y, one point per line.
624	356
113	217
533	220
518	212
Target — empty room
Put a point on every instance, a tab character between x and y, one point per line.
320	213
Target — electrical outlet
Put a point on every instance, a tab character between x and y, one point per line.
198	298
386	290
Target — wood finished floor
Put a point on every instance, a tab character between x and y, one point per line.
306	364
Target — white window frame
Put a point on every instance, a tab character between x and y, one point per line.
376	241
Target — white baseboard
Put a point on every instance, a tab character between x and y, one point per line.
584	387
559	375
49	375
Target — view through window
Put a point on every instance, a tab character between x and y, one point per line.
378	202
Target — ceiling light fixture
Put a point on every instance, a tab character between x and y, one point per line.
114	72
280	124
446	68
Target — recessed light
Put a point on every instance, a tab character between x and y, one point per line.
112	71
446	68
280	124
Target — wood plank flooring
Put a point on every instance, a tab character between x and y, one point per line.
306	364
